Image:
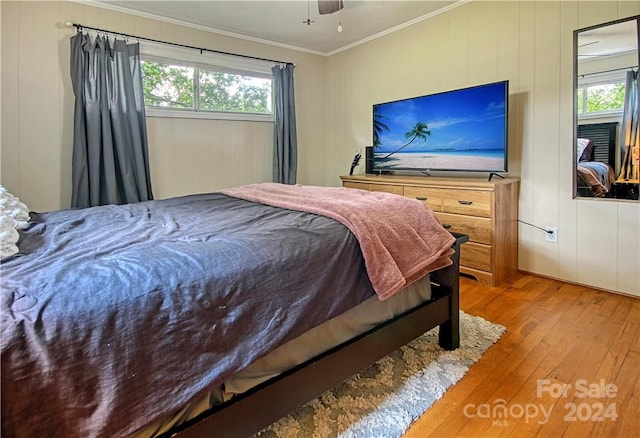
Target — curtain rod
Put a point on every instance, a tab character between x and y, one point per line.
631	67
201	49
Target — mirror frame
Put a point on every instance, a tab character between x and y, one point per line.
576	33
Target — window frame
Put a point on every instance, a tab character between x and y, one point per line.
596	79
208	61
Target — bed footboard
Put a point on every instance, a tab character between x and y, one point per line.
252	411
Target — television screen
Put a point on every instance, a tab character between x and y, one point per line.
461	130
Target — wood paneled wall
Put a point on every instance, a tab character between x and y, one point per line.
198	156
531	45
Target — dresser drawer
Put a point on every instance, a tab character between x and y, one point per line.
387	188
356	185
469	202
430	197
476	255
477	228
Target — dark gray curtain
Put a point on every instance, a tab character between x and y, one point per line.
630	129
285	142
110	151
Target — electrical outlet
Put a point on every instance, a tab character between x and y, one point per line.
552	234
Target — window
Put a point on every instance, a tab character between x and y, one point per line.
601	94
185	83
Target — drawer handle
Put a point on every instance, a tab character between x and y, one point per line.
465	202
446	226
421	198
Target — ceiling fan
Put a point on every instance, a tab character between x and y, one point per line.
324	7
329	6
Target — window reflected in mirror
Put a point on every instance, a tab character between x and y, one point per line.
606	143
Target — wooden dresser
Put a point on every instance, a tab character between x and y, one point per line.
486	211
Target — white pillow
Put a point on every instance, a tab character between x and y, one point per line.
14	215
8	237
581	145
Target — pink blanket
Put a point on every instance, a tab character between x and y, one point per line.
401	239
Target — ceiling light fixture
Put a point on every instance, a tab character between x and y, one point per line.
308	21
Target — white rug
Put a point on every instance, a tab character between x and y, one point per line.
386	398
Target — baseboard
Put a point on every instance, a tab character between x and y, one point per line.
601	289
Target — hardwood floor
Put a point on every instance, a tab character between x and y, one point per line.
558	334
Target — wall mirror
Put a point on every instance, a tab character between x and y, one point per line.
606	147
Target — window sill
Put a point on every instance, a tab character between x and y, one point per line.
168	113
601	115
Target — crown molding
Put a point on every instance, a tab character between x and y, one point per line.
120	9
401	26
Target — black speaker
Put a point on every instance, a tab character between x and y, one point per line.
368	163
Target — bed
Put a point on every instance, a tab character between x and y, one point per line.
594	179
596	157
121	320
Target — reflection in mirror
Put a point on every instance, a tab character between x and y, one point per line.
606	144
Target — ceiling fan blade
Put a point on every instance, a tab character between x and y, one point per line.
329	6
588	44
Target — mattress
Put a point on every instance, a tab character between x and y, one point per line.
316	341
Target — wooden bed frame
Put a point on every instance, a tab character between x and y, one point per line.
261	406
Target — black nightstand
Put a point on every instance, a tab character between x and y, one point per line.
626	190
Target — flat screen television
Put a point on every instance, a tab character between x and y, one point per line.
457	130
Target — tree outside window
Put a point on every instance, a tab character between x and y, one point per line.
600	98
192	88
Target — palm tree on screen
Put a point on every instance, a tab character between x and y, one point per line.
378	127
420	130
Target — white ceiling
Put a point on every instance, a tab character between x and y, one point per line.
615	39
281	21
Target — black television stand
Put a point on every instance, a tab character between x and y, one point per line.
492	174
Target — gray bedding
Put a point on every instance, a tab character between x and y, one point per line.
115	316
